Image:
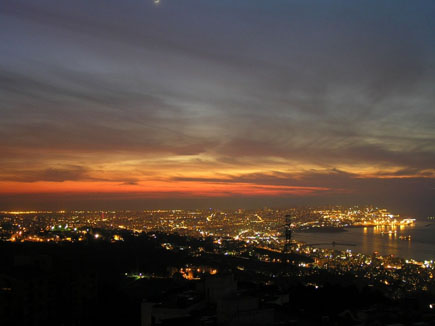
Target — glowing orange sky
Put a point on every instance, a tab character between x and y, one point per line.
159	189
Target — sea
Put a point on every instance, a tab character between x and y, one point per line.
415	241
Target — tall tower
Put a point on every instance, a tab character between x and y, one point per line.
288	234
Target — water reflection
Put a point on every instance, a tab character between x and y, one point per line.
412	241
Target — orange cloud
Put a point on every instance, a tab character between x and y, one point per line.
158	188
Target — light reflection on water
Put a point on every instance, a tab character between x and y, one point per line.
385	240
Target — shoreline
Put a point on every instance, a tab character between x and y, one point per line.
420	248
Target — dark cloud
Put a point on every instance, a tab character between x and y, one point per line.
329	151
237	85
57	174
130	183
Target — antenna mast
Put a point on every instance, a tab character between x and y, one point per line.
288	234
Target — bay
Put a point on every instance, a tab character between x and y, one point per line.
384	240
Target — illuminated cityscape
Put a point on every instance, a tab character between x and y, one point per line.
257	234
262	227
212	244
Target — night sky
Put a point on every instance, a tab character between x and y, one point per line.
221	103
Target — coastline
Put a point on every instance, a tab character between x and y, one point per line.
322	230
368	240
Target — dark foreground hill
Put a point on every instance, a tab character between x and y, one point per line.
139	281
